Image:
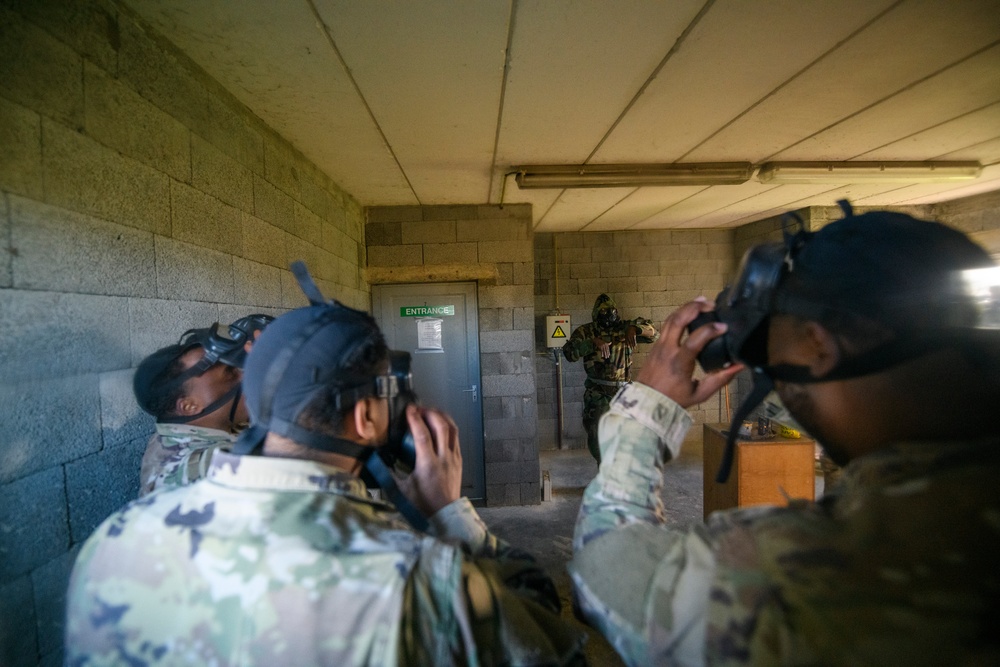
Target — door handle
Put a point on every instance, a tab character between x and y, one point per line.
475	393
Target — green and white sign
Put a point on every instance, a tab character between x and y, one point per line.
426	311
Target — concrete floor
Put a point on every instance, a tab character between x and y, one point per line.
546	530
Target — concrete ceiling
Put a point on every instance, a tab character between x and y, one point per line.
433	101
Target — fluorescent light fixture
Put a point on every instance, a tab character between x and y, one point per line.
632	175
868	172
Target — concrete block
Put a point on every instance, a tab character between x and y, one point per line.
36	341
257	285
450	253
703	267
81	175
383	233
575	255
308	225
671	267
151	67
18	631
505	251
64	251
529	470
519	211
502	472
349	275
614	269
604	254
35	527
494	319
119	117
508	385
652	283
190	272
156	323
524	318
621	285
644	269
570	240
39	71
122	420
354	215
262	242
434	231
506	341
393	213
50	582
505	428
215	173
339	243
6	256
34	423
234	132
315	196
300	250
273	205
401	255
717	236
283	167
100	484
627	301
511	231
89	27
506	296
450	212
492	409
20	150
585	270
291	293
523	273
592	286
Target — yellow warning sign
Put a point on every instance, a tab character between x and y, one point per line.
558	333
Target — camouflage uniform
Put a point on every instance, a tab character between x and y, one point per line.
897	566
604	376
273	561
178	454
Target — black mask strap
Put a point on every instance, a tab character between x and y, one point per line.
383	477
879	358
762	386
231	395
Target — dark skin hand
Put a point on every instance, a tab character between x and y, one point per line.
436	480
670	366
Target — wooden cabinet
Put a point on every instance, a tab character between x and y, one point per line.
764	472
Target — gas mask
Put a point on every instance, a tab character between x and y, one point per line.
961	310
397	388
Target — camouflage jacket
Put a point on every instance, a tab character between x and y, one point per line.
618	367
178	454
895	565
288	562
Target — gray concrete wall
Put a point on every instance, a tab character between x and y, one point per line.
648	273
137	199
493	246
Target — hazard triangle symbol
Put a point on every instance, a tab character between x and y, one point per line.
558	333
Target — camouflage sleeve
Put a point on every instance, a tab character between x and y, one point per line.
647	332
459	522
654	608
579	344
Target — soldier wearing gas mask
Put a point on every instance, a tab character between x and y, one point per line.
280	556
605	344
193	390
879	333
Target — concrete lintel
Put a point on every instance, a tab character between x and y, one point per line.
380	275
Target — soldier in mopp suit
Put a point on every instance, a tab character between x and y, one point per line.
605	344
897	374
279	556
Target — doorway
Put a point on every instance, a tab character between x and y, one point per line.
438	324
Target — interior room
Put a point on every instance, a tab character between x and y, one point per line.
480	167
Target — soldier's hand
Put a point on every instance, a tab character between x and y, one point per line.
603	347
670	366
630	333
436	480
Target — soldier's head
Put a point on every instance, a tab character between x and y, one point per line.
872	329
317	378
197	380
605	312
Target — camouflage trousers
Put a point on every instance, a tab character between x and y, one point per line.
596	401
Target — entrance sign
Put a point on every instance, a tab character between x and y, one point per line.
426	311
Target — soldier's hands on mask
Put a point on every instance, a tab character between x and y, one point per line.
603	347
436	480
670	366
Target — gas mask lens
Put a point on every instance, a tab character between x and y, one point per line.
397	388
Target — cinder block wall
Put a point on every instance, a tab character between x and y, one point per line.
137	199
648	273
493	246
